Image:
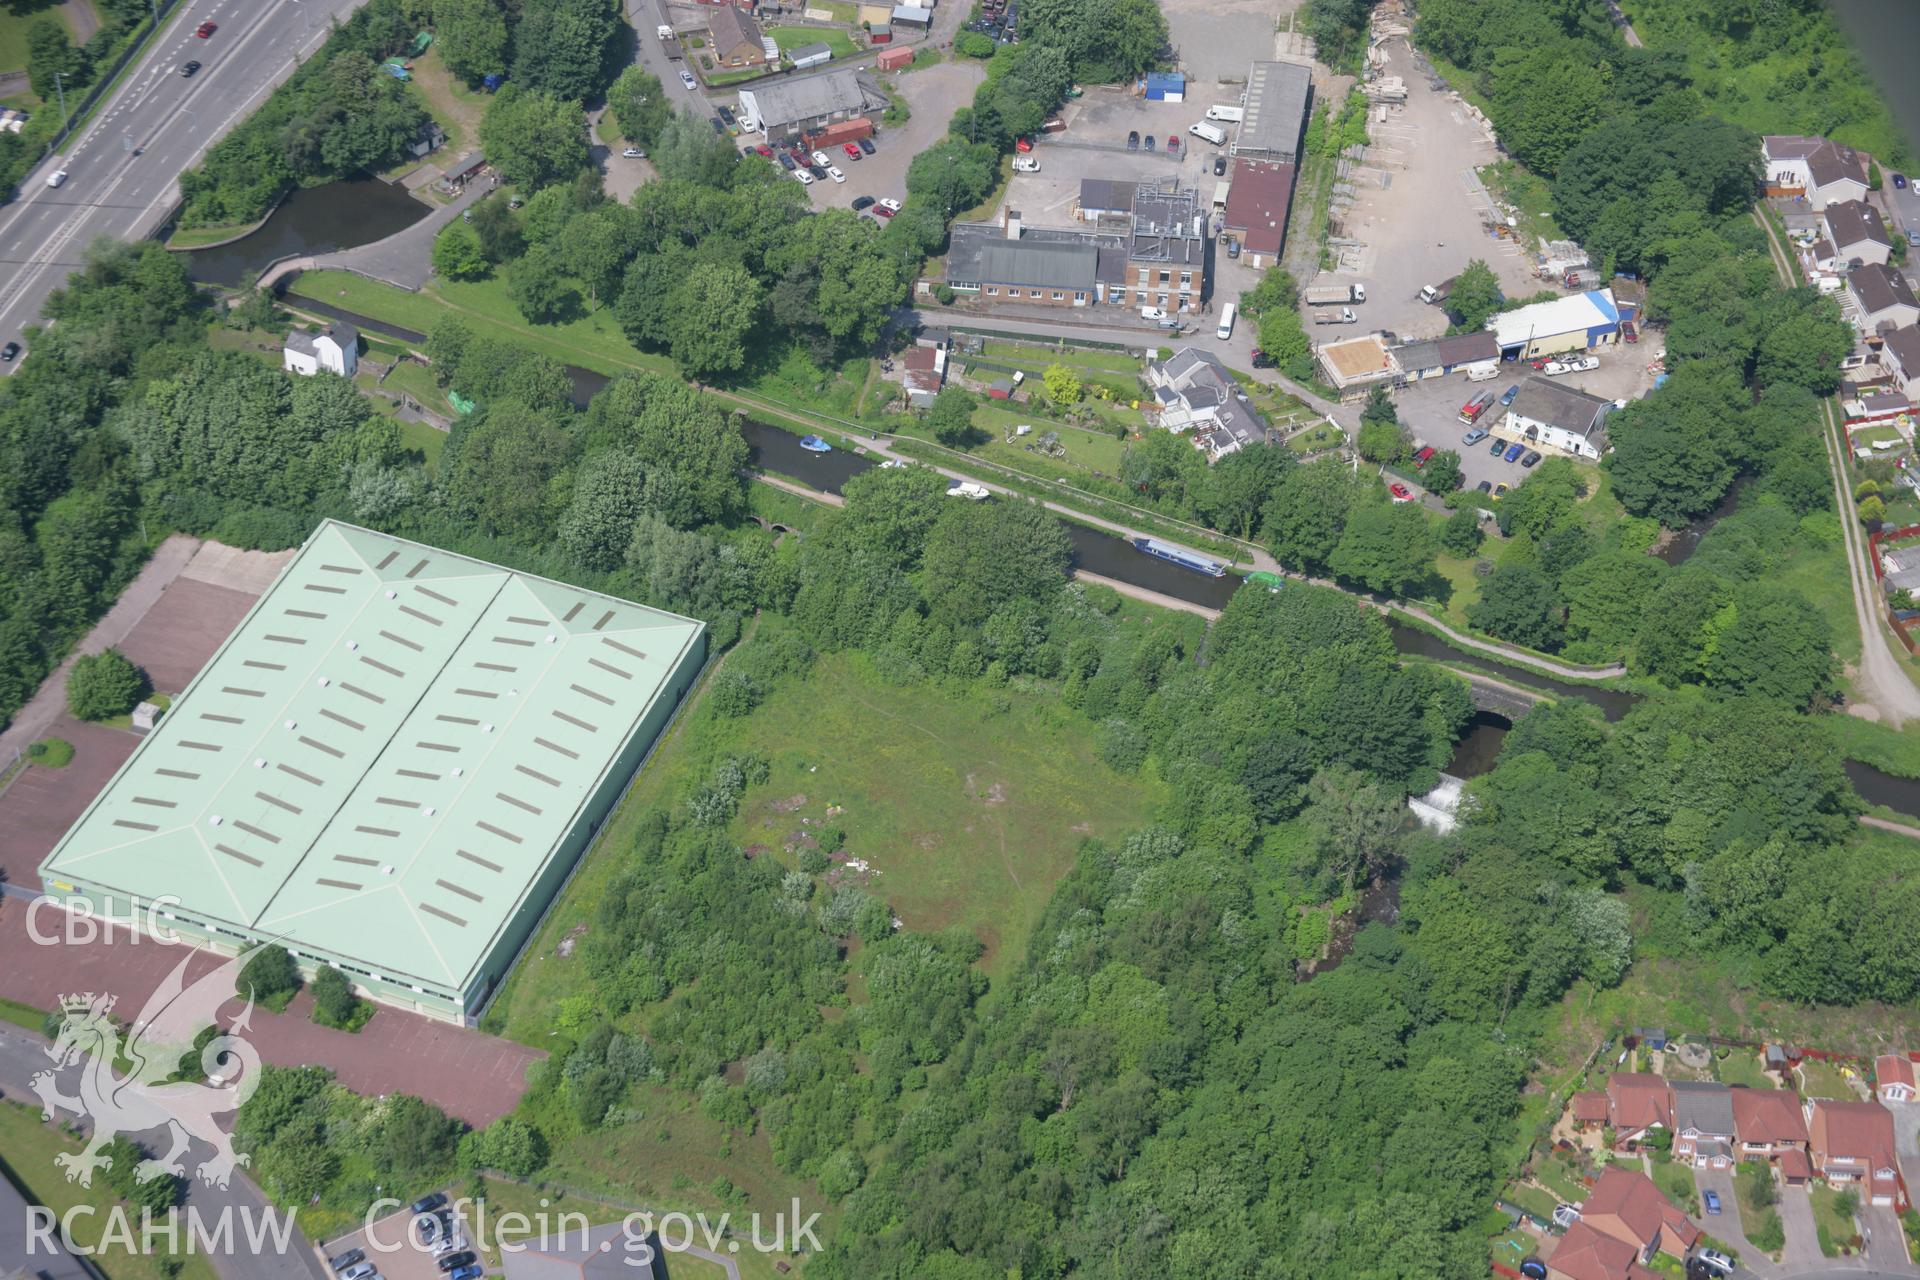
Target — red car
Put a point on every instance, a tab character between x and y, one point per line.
1400	492
853	152
206	29
1420	458
881	211
1023	145
765	150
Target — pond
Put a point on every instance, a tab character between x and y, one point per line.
1480	745
339	215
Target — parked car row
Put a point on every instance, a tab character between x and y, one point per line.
1565	364
811	167
1134	143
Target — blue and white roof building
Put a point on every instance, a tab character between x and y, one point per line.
1577	322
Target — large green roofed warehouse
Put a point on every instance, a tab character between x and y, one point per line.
390	766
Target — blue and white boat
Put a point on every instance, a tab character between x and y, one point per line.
814	444
1180	556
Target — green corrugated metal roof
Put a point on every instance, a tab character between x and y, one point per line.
383	756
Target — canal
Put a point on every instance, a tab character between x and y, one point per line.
339	215
779	451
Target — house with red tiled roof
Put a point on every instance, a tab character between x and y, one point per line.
1637	1103
1585	1253
1851	1144
1627	1206
1768	1124
1893	1078
1589	1109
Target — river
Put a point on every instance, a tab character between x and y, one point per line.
779	451
338	215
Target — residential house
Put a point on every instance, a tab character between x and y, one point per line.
1821	170
609	1252
1854	233
1589	1109
1577	322
1259	199
1703	1123
1278	100
1637	1104
926	369
1104	198
1893	1078
1900	356
1627	1206
1586	1253
787	108
1194	392
1851	1143
1884	298
335	348
735	38
1549	414
1768	1124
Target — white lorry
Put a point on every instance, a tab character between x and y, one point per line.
1327	295
1227	115
1343	316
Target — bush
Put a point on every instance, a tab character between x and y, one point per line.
262	529
335	1004
104	685
270	977
53	753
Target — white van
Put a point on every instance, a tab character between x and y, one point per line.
1210	132
1228	115
1227	313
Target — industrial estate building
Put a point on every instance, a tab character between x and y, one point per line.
390	766
1279	99
1153	255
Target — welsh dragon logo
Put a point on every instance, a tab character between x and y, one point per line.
148	1097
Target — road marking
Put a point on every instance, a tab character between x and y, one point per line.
50	249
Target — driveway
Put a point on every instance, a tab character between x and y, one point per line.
1726	1225
1802	1254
